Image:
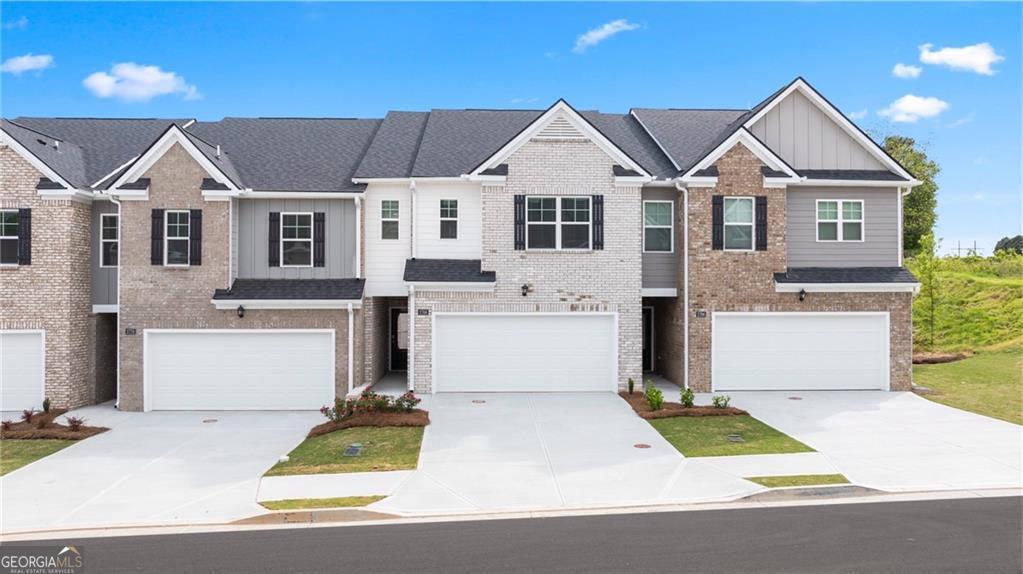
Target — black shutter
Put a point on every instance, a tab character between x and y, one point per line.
717	216
598	221
761	222
319	228
24	236
273	240
520	222
195	237
156	238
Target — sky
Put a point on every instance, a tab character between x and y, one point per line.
945	74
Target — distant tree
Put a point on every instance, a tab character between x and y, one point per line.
919	211
1013	244
925	265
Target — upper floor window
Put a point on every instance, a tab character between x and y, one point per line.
449	219
738	223
9	237
296	240
176	238
558	223
840	220
389	219
109	240
658	227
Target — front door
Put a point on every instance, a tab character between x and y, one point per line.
399	339
648	338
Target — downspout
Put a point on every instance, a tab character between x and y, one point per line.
351	349
117	363
411	337
685	282
358	237
412	217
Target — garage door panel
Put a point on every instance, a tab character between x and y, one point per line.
271	370
801	351
21	371
524	352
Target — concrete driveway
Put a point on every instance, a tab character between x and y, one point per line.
896	441
153	468
517	451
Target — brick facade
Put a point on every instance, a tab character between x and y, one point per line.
157	297
744	281
54	292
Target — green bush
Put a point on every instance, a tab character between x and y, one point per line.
632	385
721	401
687	398
654	396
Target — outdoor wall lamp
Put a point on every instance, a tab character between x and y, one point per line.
241	311
802	294
525	289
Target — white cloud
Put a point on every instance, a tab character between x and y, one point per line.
19	24
26	63
910	108
131	82
906	71
858	115
976	58
598	35
962	121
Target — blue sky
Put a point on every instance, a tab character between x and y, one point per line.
345	60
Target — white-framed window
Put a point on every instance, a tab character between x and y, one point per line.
176	238
9	236
738	223
839	220
296	239
658	227
109	240
558	223
389	219
449	219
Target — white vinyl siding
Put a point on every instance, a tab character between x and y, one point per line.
238	370
468	244
22	368
385	258
799	351
520	352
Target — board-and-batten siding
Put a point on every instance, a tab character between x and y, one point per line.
104	279
807	138
253	234
880	247
661	269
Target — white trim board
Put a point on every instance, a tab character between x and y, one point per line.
165	142
659	292
231	304
746	138
847	287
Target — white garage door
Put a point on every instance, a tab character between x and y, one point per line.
800	351
524	352
21	370
238	370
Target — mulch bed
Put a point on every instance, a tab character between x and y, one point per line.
938	358
50	430
416	418
638	403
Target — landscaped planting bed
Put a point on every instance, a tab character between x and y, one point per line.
41	425
639	403
372	410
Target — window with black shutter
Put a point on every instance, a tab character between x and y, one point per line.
717	226
598	221
156	238
520	222
24	236
195	237
10	237
319	237
761	223
273	248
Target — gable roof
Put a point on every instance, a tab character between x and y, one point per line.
59	160
455	142
217	165
687	135
777	167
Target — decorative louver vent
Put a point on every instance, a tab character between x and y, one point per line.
560	129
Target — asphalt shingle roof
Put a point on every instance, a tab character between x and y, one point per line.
243	289
845	275
447	271
65	158
395	146
852	174
456	141
688	135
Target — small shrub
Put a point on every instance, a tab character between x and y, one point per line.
721	401
687	398
46	405
6	425
42	423
632	385
75	423
368	403
654	396
405	403
26	415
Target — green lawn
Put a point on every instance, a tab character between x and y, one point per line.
989	383
798	480
708	436
308	503
384	448
15	453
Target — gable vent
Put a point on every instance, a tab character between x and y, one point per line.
560	129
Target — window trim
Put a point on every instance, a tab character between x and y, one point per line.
117	227
440	229
281	240
396	218
16	238
752	224
557	223
671	224
840	221
167	238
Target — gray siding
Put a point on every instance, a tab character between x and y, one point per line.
252	230
104	279
806	138
660	269
880	247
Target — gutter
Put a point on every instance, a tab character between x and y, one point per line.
412	337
